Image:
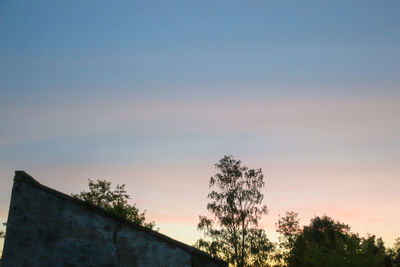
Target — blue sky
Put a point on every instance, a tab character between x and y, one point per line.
153	93
83	47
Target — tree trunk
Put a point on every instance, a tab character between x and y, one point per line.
242	256
235	246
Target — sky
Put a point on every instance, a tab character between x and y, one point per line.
152	94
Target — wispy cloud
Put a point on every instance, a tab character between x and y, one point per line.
319	120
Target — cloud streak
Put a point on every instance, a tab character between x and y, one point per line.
354	120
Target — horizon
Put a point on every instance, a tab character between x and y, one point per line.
152	96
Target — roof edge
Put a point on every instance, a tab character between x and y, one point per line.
22	176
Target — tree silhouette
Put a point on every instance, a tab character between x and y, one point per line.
235	203
393	255
326	242
114	201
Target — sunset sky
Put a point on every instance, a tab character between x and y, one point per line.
152	94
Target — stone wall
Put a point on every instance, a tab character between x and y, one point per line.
48	228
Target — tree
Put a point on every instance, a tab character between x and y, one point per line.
393	255
235	203
260	248
115	202
2	235
325	242
320	244
289	229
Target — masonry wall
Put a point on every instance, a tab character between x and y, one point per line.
48	228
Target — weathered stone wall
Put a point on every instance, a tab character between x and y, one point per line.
48	228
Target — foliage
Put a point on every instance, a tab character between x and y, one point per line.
116	202
393	255
216	242
326	242
3	233
260	248
235	203
319	242
289	229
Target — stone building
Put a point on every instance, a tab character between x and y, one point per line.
48	228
